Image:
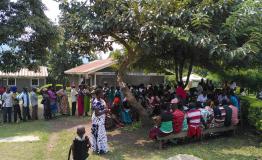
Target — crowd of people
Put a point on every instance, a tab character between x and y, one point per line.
201	107
172	108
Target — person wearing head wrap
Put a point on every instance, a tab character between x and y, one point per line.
99	137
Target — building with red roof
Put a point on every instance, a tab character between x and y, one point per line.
98	72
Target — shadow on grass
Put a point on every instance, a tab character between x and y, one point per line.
136	145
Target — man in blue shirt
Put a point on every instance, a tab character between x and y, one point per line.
24	96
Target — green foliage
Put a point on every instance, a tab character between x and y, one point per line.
170	79
254	108
174	35
61	60
26	34
244	34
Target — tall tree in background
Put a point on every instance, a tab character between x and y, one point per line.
26	34
164	34
61	60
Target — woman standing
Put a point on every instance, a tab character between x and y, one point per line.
86	100
46	103
80	101
99	138
64	104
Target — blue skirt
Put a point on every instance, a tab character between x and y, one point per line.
126	118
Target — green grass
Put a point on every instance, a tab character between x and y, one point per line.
128	143
26	150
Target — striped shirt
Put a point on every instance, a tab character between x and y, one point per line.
223	112
194	116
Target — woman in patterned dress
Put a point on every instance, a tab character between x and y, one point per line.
64	104
99	138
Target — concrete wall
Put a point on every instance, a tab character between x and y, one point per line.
22	82
139	79
110	79
130	79
73	78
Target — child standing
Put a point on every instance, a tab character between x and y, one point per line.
80	145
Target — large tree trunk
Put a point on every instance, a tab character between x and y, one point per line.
143	115
127	61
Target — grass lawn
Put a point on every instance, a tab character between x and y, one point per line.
127	143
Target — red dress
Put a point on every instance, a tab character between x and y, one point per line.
178	118
181	93
80	103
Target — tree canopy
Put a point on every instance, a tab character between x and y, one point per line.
26	34
174	35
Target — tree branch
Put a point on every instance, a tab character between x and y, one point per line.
123	42
189	70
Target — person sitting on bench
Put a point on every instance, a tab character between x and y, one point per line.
234	119
228	111
164	123
194	120
219	115
178	115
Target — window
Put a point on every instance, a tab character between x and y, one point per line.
11	81
35	82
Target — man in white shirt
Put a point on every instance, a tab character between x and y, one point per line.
202	97
73	98
24	96
233	85
8	105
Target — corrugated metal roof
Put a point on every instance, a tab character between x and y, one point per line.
91	67
24	72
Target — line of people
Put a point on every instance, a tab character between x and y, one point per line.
11	106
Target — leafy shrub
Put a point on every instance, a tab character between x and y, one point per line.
252	111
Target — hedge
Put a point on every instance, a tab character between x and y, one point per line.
252	111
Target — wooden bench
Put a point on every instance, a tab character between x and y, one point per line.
204	132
